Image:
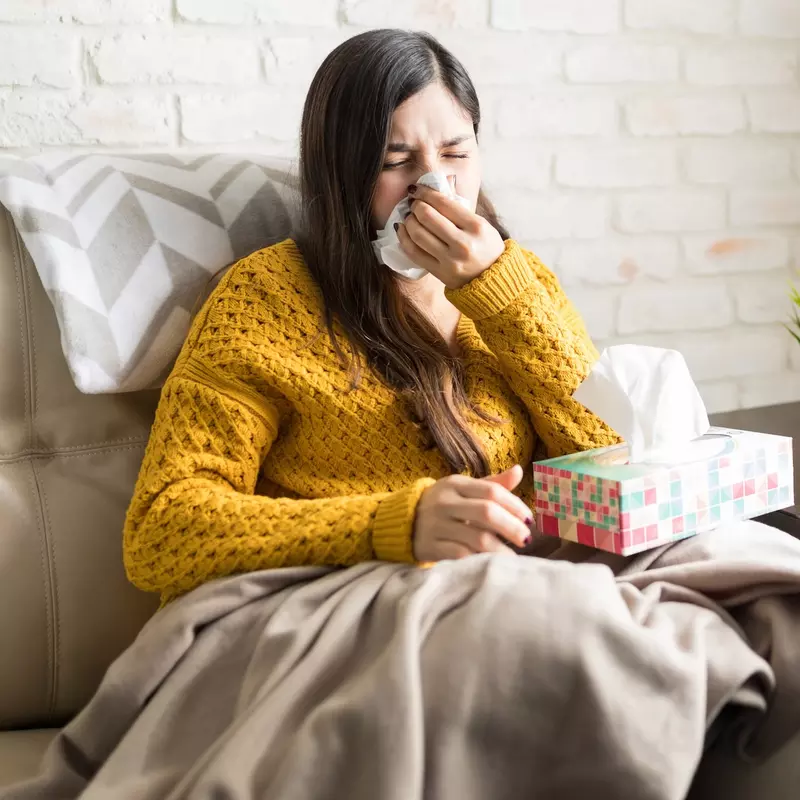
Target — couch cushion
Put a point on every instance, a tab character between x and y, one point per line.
21	753
68	462
125	245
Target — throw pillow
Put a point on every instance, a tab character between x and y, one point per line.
125	246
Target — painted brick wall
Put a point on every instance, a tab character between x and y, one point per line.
649	150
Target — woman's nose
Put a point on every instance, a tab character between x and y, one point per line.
429	165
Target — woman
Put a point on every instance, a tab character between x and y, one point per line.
325	410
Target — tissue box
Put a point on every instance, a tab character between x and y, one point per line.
599	499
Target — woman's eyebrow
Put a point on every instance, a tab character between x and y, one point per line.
402	147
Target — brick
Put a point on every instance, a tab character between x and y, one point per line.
598	307
778	18
710	16
628	165
293	60
738	163
316	13
217	118
763	298
618	62
440	14
719	396
91	12
506	59
29	120
557	114
576	16
765	207
135	58
676	210
734	252
774	112
551	216
655	114
34	119
109	119
37	58
516	164
741	66
618	261
695	305
776	389
742	351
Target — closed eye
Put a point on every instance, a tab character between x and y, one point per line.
396	164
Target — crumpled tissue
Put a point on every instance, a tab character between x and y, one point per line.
387	245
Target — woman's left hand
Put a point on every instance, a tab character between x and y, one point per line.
448	240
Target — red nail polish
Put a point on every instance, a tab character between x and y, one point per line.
527	541
529	521
412	187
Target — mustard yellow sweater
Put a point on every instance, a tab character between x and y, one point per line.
263	456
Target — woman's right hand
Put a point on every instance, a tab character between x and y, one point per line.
459	516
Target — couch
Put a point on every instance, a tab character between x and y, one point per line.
68	462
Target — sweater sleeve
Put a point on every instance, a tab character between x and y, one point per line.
540	340
194	515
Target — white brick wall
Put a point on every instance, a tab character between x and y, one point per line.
648	149
709	16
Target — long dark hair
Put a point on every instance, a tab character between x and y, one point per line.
345	129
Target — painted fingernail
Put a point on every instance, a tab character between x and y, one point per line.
396	226
527	541
412	187
529	521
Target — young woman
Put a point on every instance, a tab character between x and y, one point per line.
325	410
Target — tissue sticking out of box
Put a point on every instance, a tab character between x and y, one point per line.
648	396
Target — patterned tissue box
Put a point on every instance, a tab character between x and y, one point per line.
599	499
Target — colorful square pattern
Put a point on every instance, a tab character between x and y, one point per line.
599	499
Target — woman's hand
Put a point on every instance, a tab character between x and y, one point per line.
448	240
459	516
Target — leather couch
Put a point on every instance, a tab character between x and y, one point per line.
68	462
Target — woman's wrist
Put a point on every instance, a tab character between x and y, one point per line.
496	287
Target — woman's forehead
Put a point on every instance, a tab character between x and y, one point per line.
432	113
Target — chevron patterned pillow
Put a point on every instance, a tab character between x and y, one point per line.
125	246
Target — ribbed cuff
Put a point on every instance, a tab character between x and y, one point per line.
393	527
497	287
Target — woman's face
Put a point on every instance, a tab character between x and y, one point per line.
430	132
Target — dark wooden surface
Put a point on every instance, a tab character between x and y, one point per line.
783	420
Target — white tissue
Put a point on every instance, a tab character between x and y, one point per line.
387	246
647	395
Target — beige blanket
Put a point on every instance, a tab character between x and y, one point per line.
491	677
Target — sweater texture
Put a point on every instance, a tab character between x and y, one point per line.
262	455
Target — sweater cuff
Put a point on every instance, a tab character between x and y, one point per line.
393	528
496	287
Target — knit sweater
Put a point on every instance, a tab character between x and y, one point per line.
262	454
